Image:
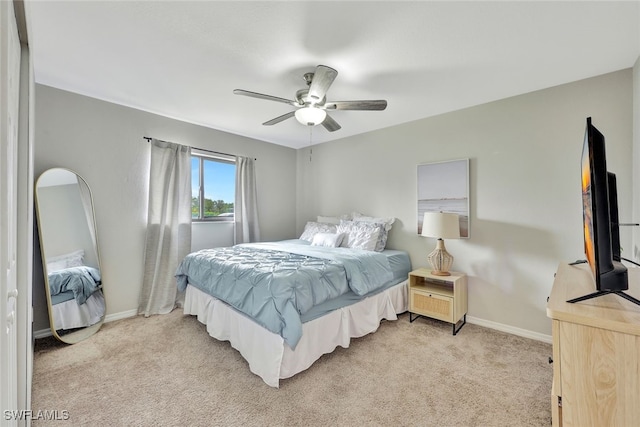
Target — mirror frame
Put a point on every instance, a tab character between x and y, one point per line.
85	332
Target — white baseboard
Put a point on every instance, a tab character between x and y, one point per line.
43	333
510	329
122	315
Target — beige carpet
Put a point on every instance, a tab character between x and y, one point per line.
167	371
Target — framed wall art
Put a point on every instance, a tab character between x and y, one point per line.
444	187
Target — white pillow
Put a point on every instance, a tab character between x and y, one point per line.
359	235
384	222
313	228
60	262
330	240
381	243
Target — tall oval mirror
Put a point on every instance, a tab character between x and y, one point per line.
70	258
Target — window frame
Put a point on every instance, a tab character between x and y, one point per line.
203	156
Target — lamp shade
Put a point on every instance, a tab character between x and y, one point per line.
310	116
441	225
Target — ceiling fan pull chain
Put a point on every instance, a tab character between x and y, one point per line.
310	147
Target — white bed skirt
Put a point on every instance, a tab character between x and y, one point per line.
268	355
70	315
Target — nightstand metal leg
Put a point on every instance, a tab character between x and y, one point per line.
411	319
464	322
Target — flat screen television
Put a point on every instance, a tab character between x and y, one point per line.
600	219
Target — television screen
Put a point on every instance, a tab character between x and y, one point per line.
587	208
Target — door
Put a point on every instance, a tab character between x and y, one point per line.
9	95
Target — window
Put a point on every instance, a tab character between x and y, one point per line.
213	186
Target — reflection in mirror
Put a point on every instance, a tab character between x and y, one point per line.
71	264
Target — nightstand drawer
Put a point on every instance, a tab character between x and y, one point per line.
431	305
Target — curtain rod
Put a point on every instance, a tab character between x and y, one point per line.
148	138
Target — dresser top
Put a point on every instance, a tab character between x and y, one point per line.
611	311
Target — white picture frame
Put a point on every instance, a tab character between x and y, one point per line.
444	187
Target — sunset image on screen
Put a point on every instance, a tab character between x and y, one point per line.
589	247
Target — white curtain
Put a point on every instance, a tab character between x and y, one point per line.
247	228
168	225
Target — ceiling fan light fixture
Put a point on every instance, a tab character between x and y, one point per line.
310	102
310	116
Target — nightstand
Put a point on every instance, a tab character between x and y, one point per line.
438	297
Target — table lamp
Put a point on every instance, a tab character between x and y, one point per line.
441	225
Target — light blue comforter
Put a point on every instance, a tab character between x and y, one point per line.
274	283
82	281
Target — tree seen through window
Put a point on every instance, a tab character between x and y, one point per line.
212	188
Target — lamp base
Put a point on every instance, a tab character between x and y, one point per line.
440	273
440	260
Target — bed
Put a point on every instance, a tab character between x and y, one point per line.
75	290
283	305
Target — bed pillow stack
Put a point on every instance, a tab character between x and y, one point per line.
357	231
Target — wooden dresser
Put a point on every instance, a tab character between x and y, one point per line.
596	352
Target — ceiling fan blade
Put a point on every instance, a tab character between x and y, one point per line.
263	96
280	118
330	124
378	104
323	77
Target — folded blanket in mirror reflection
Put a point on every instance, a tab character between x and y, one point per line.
82	281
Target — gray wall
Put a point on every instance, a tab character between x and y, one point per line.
525	197
103	143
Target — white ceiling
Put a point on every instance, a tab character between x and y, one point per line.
184	59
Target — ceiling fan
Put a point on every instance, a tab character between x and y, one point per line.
311	103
